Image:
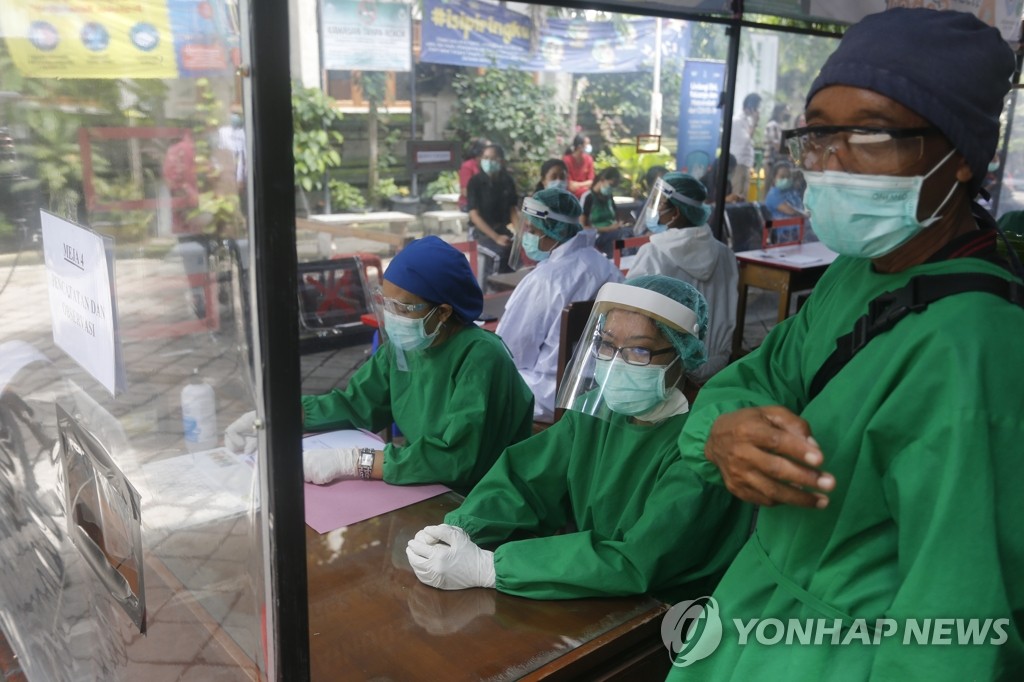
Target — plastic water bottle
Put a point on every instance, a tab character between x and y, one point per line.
199	417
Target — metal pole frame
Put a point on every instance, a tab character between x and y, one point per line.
274	266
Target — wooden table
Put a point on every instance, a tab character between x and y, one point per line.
370	618
362	226
785	269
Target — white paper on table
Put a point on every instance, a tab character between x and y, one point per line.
196	488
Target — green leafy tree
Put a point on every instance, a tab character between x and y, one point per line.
314	137
508	108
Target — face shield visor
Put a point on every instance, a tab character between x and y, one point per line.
408	326
658	209
535	222
624	364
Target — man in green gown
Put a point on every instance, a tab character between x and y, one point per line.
600	504
889	544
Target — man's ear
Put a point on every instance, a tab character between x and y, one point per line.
964	172
445	313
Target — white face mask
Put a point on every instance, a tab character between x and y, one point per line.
630	389
867	216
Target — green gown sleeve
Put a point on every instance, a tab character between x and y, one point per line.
770	375
365	403
954	490
577	565
457	450
524	490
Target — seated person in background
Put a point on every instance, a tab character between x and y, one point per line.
710	181
568	269
640	520
580	163
553	173
450	386
599	211
784	201
492	208
651	177
682	246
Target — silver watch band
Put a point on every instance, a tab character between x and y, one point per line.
365	463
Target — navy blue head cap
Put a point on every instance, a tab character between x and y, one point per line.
437	272
948	67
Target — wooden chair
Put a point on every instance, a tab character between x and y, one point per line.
574	322
628	243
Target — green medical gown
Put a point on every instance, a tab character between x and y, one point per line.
459	405
644	522
924	432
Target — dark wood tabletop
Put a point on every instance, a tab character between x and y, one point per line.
370	618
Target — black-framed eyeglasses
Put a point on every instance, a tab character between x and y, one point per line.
631	355
859	149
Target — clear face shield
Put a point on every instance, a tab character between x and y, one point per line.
526	249
658	209
407	326
623	363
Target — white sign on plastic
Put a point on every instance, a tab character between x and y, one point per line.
80	279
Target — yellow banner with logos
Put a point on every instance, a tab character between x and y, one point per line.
89	38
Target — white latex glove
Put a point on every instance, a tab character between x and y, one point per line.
323	466
444	557
241	436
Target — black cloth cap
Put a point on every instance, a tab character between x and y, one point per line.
949	67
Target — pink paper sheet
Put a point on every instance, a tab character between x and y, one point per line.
342	503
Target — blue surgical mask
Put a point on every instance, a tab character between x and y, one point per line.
629	389
236	120
784	183
589	149
531	245
556	184
993	167
490	166
867	216
607	190
409	333
653	226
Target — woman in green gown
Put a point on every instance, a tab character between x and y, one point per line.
601	503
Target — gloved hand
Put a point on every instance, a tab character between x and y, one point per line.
444	557
241	436
323	466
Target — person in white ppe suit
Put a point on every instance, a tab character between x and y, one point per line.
682	246
569	269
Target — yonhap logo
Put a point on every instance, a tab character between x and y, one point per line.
692	630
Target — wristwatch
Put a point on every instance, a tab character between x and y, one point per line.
364	464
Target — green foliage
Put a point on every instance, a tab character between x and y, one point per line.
632	165
219	208
6	228
387	187
314	136
55	160
345	197
507	107
446	183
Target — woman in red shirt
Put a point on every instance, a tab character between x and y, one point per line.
580	164
469	168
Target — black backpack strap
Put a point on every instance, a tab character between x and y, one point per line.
892	306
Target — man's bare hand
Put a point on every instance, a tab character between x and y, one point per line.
767	456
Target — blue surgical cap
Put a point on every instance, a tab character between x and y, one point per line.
688	187
692	352
435	271
948	67
559	201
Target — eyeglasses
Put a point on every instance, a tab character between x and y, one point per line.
631	355
859	150
397	307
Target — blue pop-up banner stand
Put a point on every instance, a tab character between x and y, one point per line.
700	118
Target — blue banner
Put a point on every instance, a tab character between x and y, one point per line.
700	118
470	33
205	37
